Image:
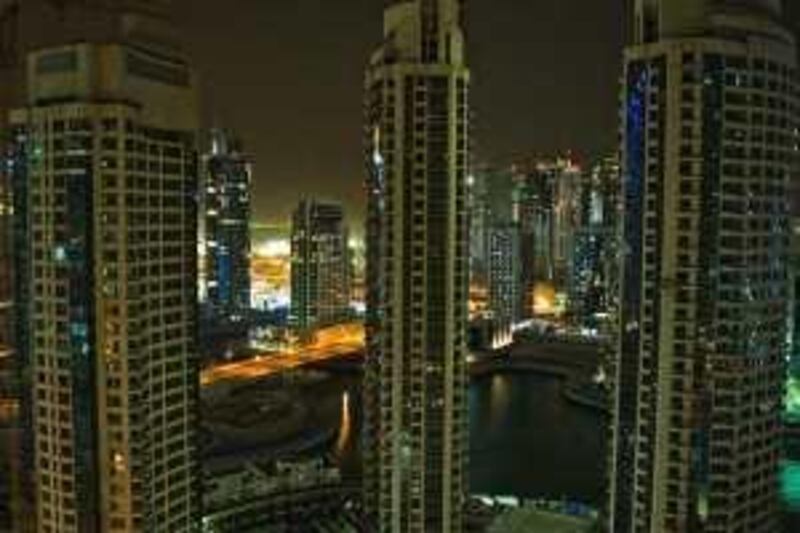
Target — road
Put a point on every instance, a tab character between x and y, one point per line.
337	341
329	343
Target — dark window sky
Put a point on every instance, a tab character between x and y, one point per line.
286	75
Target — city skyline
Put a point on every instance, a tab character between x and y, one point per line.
563	100
501	266
549	53
563	97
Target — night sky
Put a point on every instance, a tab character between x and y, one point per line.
287	76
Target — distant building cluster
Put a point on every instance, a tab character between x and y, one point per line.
542	243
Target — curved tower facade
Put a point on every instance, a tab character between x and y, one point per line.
103	164
709	143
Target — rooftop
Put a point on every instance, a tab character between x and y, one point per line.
528	519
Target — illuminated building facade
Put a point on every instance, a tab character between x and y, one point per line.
503	274
478	209
11	496
10	389
225	228
709	143
320	269
593	274
534	211
499	231
794	324
11	71
105	174
547	209
16	497
417	118
567	184
792	398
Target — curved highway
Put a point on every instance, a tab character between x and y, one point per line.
329	343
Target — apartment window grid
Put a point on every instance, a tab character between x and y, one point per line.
735	123
132	193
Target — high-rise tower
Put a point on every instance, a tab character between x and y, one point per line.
11	391
225	228
709	142
417	122
500	233
105	177
16	484
534	208
547	205
596	253
321	267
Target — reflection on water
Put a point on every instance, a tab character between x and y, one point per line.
499	399
527	440
345	426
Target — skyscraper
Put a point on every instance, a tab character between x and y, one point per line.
105	176
535	200
11	391
321	267
417	119
27	25
593	272
709	143
567	183
16	498
500	233
503	285
794	306
225	228
792	392
478	210
547	208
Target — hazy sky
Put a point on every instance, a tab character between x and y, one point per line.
287	76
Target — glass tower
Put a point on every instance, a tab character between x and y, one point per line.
500	231
225	228
321	268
